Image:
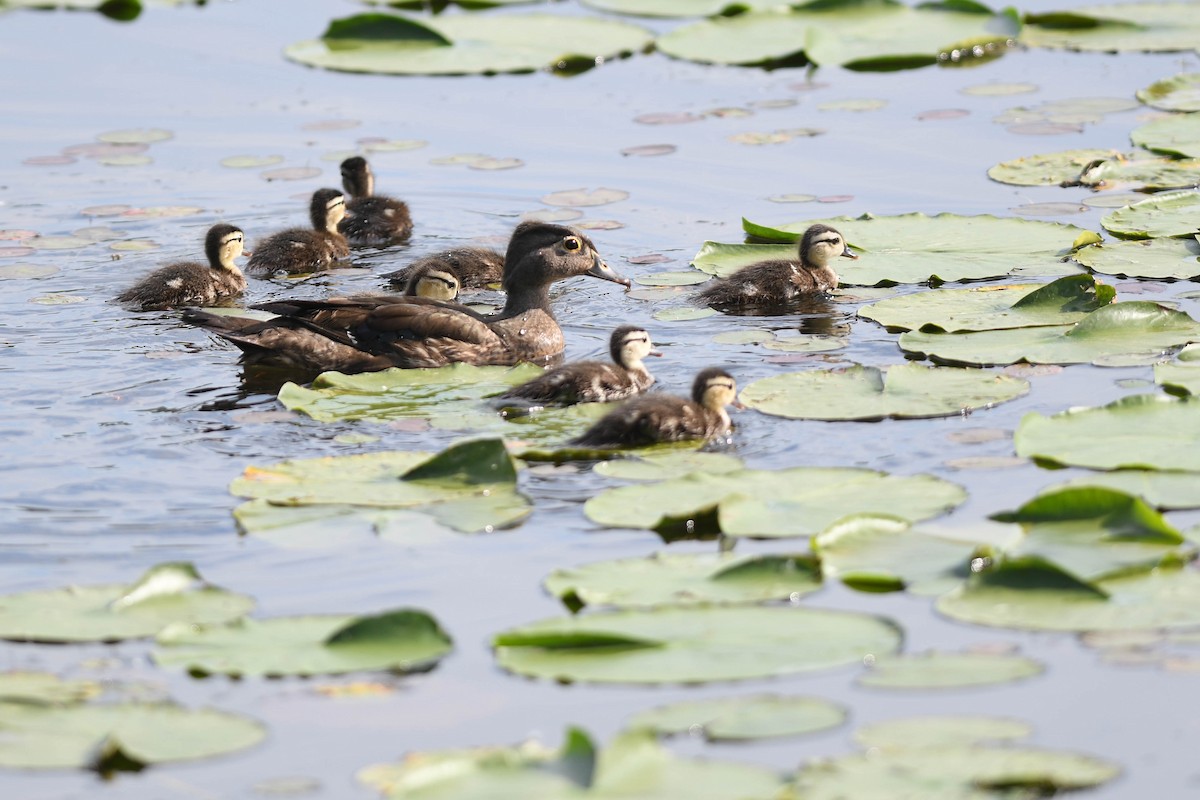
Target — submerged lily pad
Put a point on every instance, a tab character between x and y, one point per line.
405	640
759	716
902	391
874	553
1178	93
993	307
1158	259
915	732
1171	214
934	670
683	645
1122	329
167	593
467	43
1050	169
686	579
1154	27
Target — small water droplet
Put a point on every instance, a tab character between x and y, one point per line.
522	332
868	660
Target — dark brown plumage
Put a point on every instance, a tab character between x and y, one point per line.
190	283
475	267
360	334
595	381
778	282
667	418
373	219
300	250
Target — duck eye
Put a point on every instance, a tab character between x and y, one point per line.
572	243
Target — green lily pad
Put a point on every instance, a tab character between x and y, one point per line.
874	553
1142	174
916	732
1178	379
1178	93
683	314
166	593
866	35
251	162
1176	135
993	307
1154	27
1050	169
1165	490
136	136
688	278
1121	329
1157	259
678	8
405	640
902	391
44	688
1172	214
685	645
935	670
803	501
673	464
686	579
113	738
464	44
759	716
1137	432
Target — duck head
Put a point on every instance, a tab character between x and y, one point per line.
540	253
357	178
714	388
328	208
434	283
821	244
629	345
222	245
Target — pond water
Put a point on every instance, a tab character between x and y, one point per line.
123	430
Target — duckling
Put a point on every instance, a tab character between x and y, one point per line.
360	334
189	283
432	282
595	381
300	250
667	418
475	267
777	282
375	219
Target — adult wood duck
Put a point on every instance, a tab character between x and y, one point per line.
300	250
777	282
360	334
190	283
667	418
374	219
475	267
595	381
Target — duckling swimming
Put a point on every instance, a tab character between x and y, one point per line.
777	282
301	250
667	418
360	334
190	283
475	267
374	219
433	282
595	381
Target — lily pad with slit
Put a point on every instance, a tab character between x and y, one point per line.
1050	169
1177	93
1176	135
1172	214
1156	259
758	716
942	670
877	553
1153	27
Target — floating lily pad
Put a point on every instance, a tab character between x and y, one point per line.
23	271
875	553
1178	379
585	197
1143	174
44	688
648	150
251	162
934	670
993	307
683	645
57	242
999	89
683	314
164	594
125	161
1137	432
1179	93
859	104
111	738
405	640
1154	27
911	733
136	136
673	464
1165	490
902	391
290	174
759	716
467	43
677	8
684	580
1050	169
802	501
1158	259
394	145
1132	328
1177	135
688	278
1172	214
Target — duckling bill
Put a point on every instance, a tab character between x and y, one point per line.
373	219
190	283
595	381
301	250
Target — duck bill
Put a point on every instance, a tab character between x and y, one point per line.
603	271
656	353
738	404
847	253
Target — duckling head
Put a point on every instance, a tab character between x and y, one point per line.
821	244
629	345
222	245
714	388
540	253
357	178
328	208
436	284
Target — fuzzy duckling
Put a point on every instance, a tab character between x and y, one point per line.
433	282
777	282
190	283
375	219
475	267
300	250
667	418
595	381
360	334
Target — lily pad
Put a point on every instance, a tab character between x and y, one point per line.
914	732
684	645
759	716
1165	490
934	670
1051	169
1121	329
464	44
167	593
1171	214
1154	27
683	314
1137	432
874	553
251	162
684	580
993	307
44	688
677	8
687	278
1178	93
1143	174
1157	259
673	464
1178	379
902	391
1176	135
405	640
136	136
